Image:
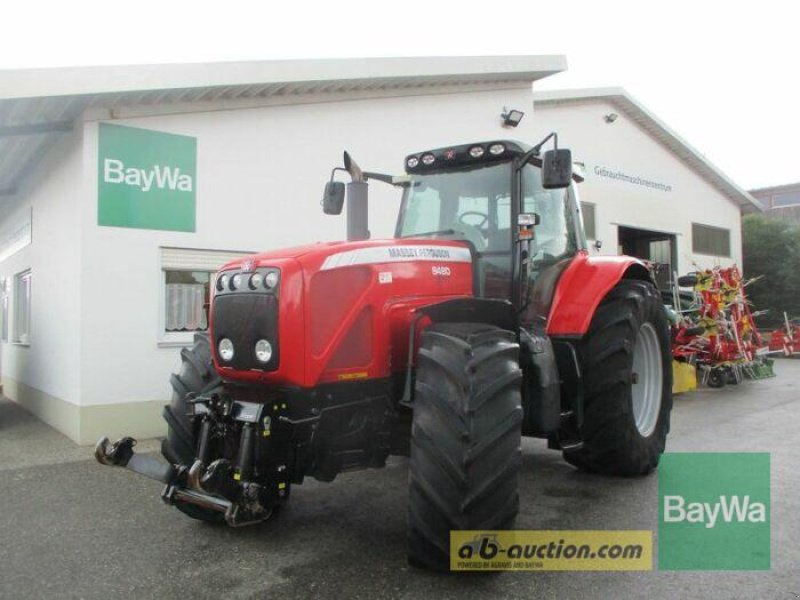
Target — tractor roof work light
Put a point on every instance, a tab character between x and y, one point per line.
454	157
511	118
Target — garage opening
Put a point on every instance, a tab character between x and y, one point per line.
656	246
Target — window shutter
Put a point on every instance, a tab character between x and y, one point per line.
189	259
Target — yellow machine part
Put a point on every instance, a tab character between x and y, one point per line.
684	377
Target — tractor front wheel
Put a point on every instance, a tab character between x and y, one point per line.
196	375
627	384
465	438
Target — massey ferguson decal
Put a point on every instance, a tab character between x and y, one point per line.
419	252
392	254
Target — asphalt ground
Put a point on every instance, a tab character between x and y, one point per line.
70	528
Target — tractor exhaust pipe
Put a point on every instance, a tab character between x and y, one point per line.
357	201
357	210
357	198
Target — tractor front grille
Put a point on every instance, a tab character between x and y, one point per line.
245	319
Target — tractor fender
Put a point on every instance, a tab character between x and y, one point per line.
583	285
499	313
472	310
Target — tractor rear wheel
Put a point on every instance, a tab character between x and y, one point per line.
196	375
627	383
465	439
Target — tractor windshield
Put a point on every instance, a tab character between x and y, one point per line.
475	205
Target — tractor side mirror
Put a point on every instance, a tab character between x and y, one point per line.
333	198
556	169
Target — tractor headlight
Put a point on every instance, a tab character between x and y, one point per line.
271	279
427	159
476	151
256	279
263	351
412	162
496	149
222	282
225	349
236	281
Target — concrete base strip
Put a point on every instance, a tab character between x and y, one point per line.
85	424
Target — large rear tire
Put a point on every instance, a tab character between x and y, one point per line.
197	374
465	439
627	384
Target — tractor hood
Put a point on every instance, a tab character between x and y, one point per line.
292	252
326	312
328	255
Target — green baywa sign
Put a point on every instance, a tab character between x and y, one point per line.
146	179
714	511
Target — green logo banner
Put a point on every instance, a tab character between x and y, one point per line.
146	179
714	511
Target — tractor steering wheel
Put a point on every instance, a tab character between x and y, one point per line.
474	213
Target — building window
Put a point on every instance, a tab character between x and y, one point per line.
786	199
22	308
186	279
715	241
589	224
4	308
187	300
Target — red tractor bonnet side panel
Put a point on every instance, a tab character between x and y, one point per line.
360	302
582	287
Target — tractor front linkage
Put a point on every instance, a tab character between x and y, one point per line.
225	488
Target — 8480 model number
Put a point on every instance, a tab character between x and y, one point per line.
439	271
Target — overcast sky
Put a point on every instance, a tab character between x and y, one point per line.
724	78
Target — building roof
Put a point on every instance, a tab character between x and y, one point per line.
636	111
37	105
776	189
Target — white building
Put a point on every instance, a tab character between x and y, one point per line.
233	159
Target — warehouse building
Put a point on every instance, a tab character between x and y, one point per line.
123	189
781	202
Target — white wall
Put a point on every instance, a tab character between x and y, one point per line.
625	146
260	175
52	195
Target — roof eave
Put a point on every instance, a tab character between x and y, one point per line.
32	83
675	143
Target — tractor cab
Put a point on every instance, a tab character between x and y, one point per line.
494	197
515	207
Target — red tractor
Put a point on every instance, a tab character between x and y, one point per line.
484	319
